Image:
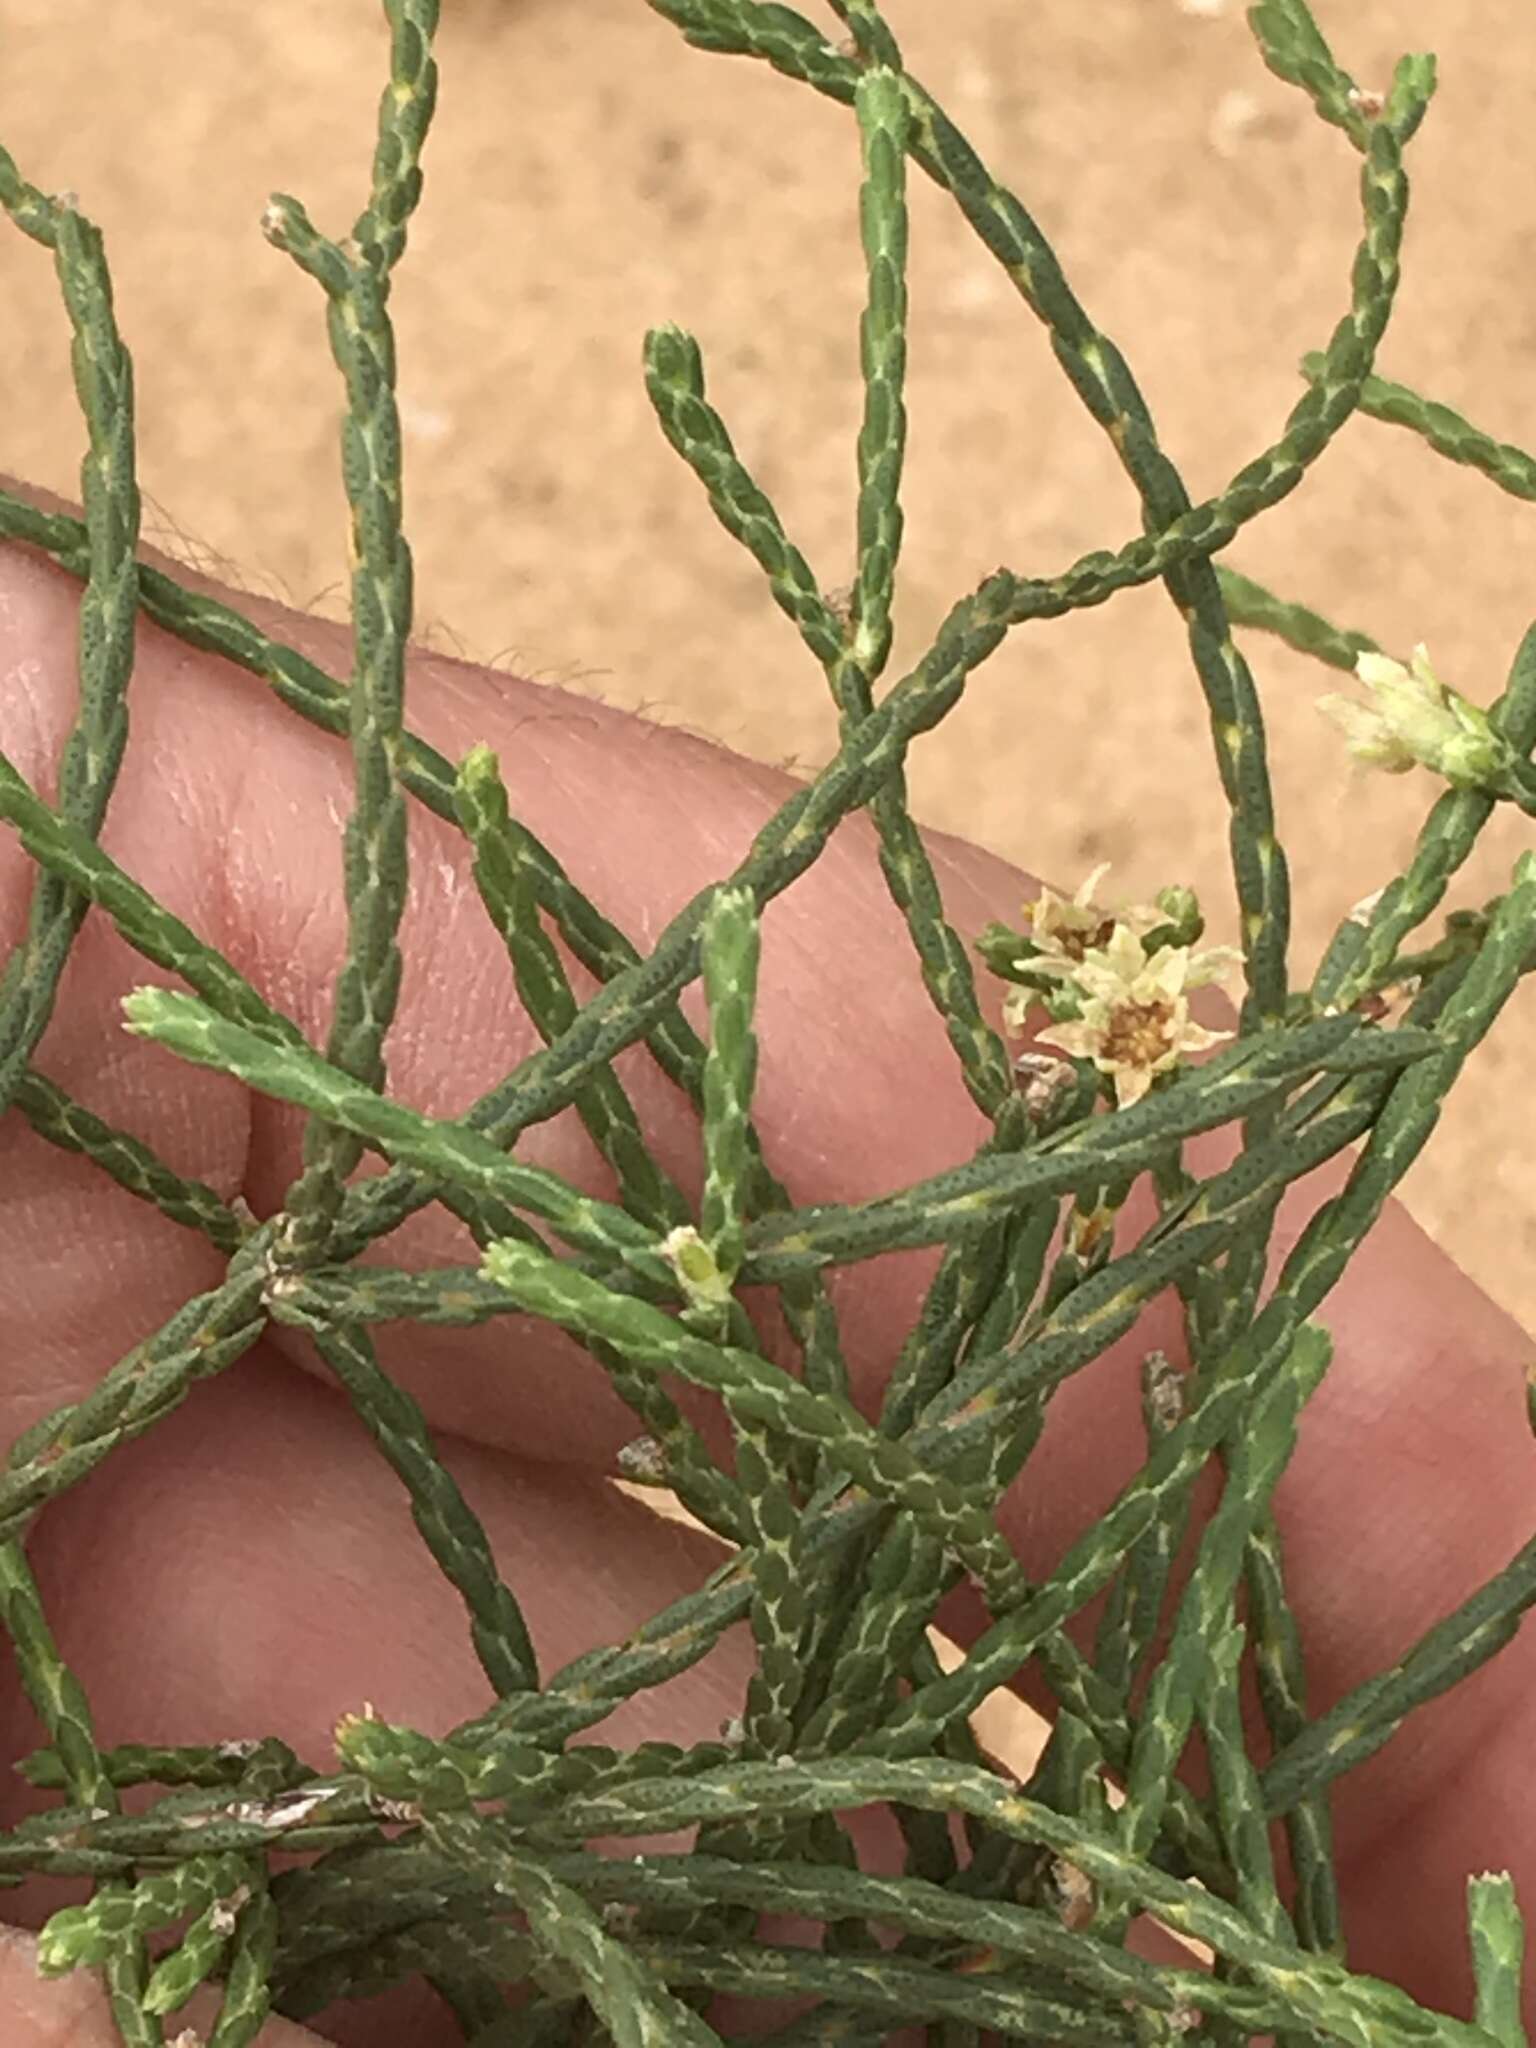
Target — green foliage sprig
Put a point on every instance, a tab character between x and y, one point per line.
463	1859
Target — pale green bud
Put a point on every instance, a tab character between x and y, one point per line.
1181	907
1413	719
694	1264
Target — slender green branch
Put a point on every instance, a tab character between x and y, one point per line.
1250	604
758	1393
847	1533
1446	432
730	945
1498	1956
56	1116
1191	1665
374	860
1134	1609
88	770
61	1705
451	1150
881	110
1313	1992
449	1527
505	876
93	752
1370	1715
247	2001
636	2008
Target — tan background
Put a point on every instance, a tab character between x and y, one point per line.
591	175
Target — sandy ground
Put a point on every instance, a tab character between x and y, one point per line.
591	175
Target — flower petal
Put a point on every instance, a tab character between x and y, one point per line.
1080	1038
1040	912
1052	963
1131	1084
1087	892
1370	736
1214	964
1195	1037
1378	670
1423	674
1165	976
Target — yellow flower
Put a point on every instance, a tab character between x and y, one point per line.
1065	931
1414	719
1068	928
1058	926
1134	1022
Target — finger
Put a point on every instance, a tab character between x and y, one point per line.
227	810
72	2012
250	1567
1409	1489
858	1095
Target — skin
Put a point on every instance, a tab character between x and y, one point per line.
249	1566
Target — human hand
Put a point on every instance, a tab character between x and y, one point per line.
250	1566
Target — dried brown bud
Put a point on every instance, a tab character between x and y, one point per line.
1074	1899
224	1913
398	1809
1044	1081
1386	1004
1087	1229
1164	1385
643	1463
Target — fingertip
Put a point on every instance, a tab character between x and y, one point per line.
72	2011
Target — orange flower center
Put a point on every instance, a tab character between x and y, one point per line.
1139	1033
1076	943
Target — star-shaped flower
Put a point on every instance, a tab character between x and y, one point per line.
1066	929
1134	1020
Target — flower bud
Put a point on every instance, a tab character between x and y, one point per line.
1007	953
643	1463
1044	1081
1415	719
1181	907
702	1282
